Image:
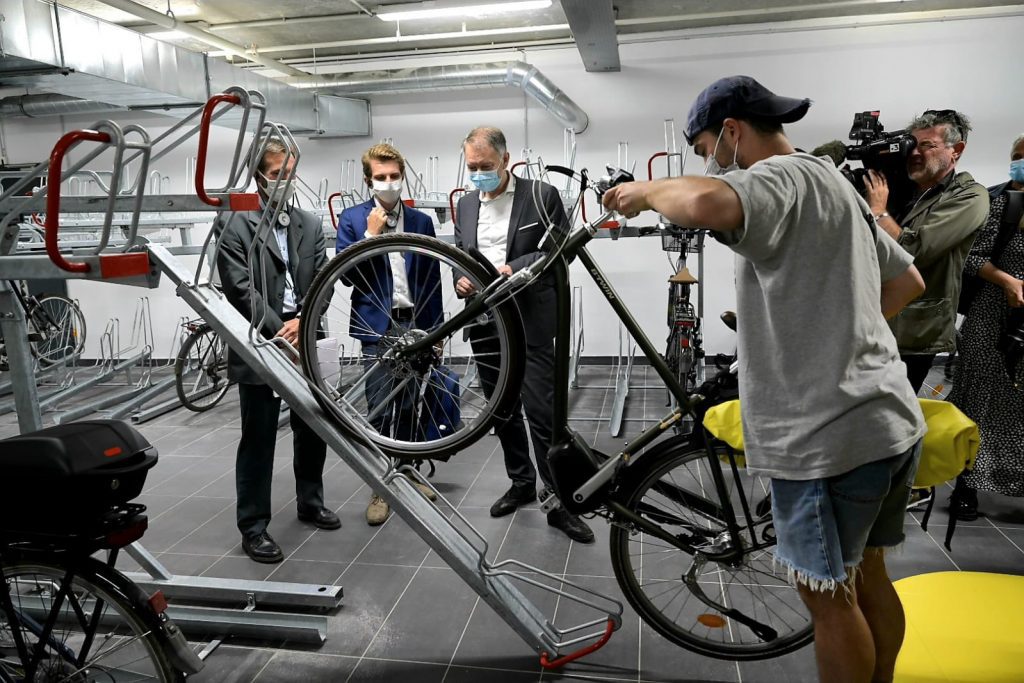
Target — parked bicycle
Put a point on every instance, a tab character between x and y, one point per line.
56	327
66	615
201	368
692	538
685	345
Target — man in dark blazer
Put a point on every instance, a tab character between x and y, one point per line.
282	271
388	296
503	221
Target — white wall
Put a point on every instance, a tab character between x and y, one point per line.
901	70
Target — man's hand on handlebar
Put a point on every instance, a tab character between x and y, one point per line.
463	287
628	199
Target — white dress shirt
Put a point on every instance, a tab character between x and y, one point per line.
288	305
492	225
401	295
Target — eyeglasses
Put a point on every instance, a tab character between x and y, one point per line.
950	116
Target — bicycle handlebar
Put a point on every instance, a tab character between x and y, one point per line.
68	141
204	140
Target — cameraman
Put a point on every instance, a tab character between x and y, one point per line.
937	227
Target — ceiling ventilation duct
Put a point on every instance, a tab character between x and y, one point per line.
495	74
48	48
49	104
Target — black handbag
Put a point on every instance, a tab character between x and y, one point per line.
970	285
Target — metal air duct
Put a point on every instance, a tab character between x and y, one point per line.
49	104
495	74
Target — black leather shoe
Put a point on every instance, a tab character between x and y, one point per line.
322	518
262	548
570	525
517	495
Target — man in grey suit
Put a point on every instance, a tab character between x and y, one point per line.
282	270
504	222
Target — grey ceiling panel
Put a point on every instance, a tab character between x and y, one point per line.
592	23
103	62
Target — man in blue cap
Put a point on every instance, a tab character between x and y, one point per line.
828	413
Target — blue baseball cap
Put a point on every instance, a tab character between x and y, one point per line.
739	97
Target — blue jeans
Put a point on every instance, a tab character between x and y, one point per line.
824	525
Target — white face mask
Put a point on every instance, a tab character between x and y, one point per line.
712	167
387	192
281	194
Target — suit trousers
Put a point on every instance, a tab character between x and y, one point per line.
918	366
537	397
254	462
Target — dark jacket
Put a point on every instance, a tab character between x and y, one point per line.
307	253
938	231
526	232
369	319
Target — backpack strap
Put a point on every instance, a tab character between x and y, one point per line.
1012	214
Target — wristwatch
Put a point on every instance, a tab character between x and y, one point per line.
880	216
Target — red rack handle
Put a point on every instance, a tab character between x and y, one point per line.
204	141
451	200
37	220
330	207
582	652
53	195
650	163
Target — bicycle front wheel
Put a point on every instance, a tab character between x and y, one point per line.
355	328
61	325
201	370
691	599
103	630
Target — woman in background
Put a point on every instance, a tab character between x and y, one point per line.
982	388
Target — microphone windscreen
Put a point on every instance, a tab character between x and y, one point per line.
834	149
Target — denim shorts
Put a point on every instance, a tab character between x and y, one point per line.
824	525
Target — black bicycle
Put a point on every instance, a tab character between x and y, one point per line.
685	344
56	327
201	368
692	537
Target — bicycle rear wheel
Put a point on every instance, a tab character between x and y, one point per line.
201	370
103	630
61	324
422	406
673	487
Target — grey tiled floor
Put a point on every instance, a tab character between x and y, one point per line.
406	615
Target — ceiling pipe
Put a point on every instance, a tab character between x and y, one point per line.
494	74
50	104
172	24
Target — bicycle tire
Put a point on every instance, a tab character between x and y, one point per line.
123	641
331	294
67	340
202	355
751	585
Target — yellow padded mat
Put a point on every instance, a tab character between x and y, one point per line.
962	627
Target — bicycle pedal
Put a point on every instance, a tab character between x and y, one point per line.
548	500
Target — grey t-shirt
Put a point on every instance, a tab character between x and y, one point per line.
822	384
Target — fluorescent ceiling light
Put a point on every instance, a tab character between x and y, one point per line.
168	35
435	10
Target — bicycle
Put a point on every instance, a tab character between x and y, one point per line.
56	327
684	346
65	615
691	549
200	368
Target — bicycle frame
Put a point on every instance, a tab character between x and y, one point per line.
500	289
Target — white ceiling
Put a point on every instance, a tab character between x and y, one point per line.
338	32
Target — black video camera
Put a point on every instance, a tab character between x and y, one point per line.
879	151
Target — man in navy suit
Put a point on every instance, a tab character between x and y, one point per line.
506	219
392	294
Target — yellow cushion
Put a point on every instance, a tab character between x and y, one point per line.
962	627
950	445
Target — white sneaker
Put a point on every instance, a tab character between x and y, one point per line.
377	511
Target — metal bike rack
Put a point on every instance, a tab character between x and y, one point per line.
464	552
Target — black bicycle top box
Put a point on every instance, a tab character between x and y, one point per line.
71	472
